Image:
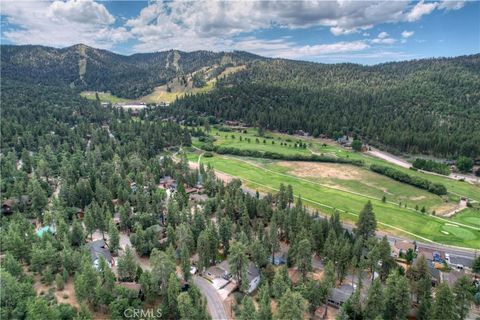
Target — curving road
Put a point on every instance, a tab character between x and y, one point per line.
214	302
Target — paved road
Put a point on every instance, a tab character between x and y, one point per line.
214	302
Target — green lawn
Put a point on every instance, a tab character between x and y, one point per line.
468	216
326	147
359	180
390	216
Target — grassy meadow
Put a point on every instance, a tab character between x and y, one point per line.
346	188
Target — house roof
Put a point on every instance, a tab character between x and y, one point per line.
429	253
8	202
341	295
98	249
466	262
191	190
403	245
216	271
198	197
253	272
434	272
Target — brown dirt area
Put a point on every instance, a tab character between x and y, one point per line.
68	290
417	198
323	170
445	208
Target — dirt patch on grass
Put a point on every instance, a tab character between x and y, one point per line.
417	198
322	170
445	208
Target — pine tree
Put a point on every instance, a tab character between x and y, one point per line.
304	257
444	305
247	311
279	285
265	309
291	306
173	291
114	238
424	296
127	266
463	296
375	304
238	261
397	297
366	224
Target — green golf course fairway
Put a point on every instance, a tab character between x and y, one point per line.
327	147
391	217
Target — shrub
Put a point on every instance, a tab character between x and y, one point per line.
436	188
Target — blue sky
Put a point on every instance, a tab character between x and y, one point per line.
357	31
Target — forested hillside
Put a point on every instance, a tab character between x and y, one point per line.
87	68
429	106
424	106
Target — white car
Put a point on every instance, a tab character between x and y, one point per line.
193	270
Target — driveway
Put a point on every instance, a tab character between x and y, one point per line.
214	301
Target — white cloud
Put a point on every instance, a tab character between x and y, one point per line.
211	25
383	38
81	11
420	10
61	23
451	4
382	35
291	50
407	34
383	41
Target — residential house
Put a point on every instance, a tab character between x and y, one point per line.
191	190
98	249
198	198
168	182
253	277
222	271
401	247
432	255
435	274
338	296
345	141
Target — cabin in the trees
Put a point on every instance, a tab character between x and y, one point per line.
253	277
435	274
401	247
345	141
98	249
168	182
198	198
338	296
221	277
7	206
